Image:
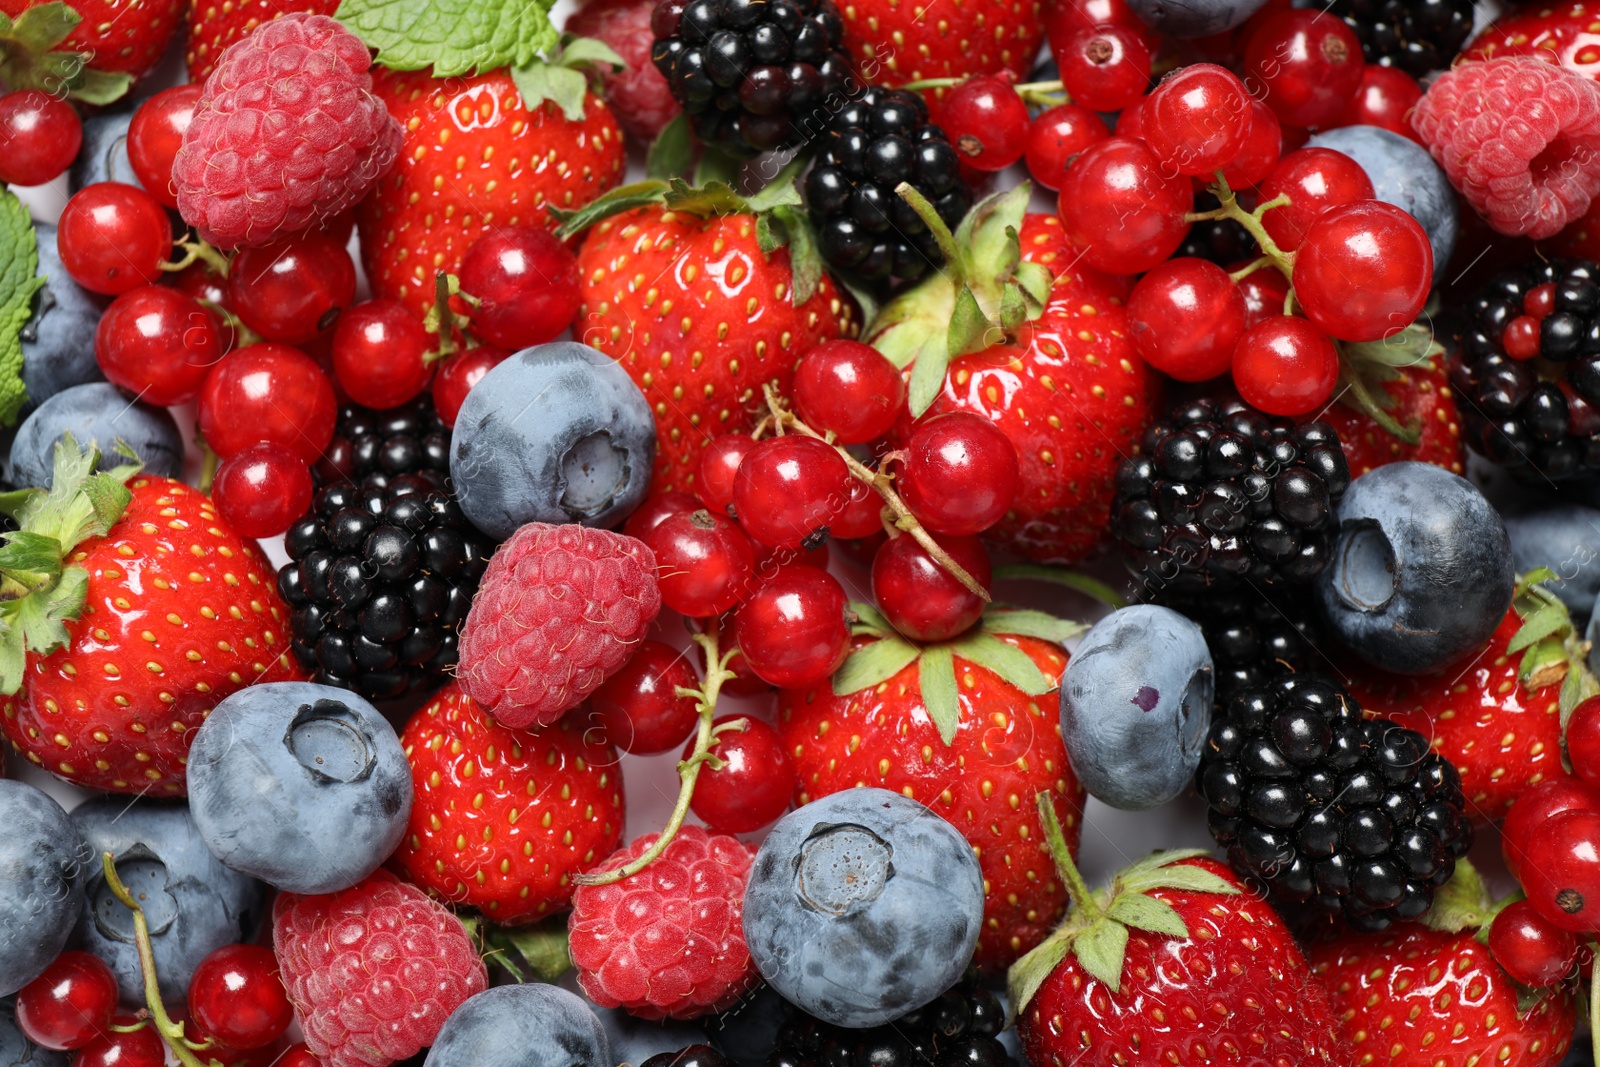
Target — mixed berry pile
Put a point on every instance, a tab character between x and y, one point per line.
653	534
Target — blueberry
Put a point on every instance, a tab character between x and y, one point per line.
557	433
1194	18
304	786
517	1025
1566	538
104	155
1422	571
18	1051
1405	175
863	906
42	864
58	339
631	1039
193	904
95	413
1136	705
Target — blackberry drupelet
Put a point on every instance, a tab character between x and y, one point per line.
1224	495
864	228
370	447
1358	816
1254	634
958	1029
692	1056
752	75
1417	36
1222	241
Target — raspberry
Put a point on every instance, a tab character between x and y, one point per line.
1518	137
373	971
560	609
287	134
667	943
637	95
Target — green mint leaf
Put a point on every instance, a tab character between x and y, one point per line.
589	52
872	665
1147	913
1007	661
564	87
672	151
452	36
19	264
1101	949
936	677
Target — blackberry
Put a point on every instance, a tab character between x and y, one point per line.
880	139
1417	36
960	1028
1254	634
692	1056
1357	816
1537	416
1223	495
752	75
1222	241
370	447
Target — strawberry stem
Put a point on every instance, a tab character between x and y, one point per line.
930	218
1056	842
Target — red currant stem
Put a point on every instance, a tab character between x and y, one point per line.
208	466
1250	220
440	319
1056	842
1250	268
1031	92
128	1028
243	335
196	249
936	225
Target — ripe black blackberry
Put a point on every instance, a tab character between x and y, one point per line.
1540	416
1358	816
692	1056
864	228
958	1029
369	447
1222	241
1255	634
1417	36
1223	495
750	74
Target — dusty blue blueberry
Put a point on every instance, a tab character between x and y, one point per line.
95	413
557	433
1136	705
1194	18
58	339
1564	537
303	786
862	906
522	1026
193	904
1405	175
1421	572
104	155
18	1051
43	861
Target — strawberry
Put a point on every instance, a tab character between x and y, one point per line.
474	157
502	819
896	43
117	36
130	611
1562	33
976	752
215	24
1421	398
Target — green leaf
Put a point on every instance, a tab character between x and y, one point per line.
1462	903
672	151
1184	877
1013	308
36	623
43	28
1550	619
869	617
1006	660
101	87
565	87
1035	280
1023	622
927	376
1157	861
1537	576
542	947
452	36
782	191
1147	913
865	300
705	200
990	246
1029	973
872	665
1101	950
19	262
716	165
936	677
970	329
31	559
1091	587
589	52
805	260
1413	346
619	200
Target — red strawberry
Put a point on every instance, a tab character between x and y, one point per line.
474	157
979	762
164	612
1423	398
215	24
1561	33
118	36
895	43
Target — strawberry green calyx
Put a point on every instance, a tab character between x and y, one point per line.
537	952
31	57
1553	651
564	78
1365	365
1463	903
39	591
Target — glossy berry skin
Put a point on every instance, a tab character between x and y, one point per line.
1384	99
919	597
789	489
719	465
1583	740
958	473
1364	270
639	706
1305	64
656	509
39	137
1186	316
237	997
754	785
704	561
378	350
862	515
458	374
525	282
1561	871
794	630
1105	68
113	238
158	344
272	393
262	490
1055	138
1120	210
154	136
1536	806
986	121
1262	147
1264	293
1530	949
68	1005
1285	365
1314	179
294	290
1197	119
850	389
141	1048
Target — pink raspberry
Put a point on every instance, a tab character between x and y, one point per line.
373	971
287	134
669	941
1519	137
560	609
638	95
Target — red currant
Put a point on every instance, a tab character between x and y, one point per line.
1056	137
719	465
1130	121
1063	20
70	1004
158	344
789	489
1384	99
704	560
745	682
378	354
1537	806
210	288
1583	740
862	515
754	784
1561	871
524	282
987	122
1186	316
656	509
959	473
113	238
1262	148
293	290
1314	179
639	706
39	137
269	393
1105	68
1521	337
458	374
1540	301
260	492
1198	119
1531	950
1306	64
794	630
140	1048
1364	270
919	597
1284	365
1264	291
237	997
297	1056
850	389
156	133
1120	210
